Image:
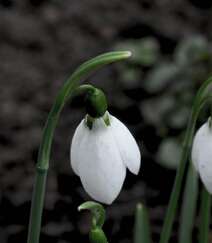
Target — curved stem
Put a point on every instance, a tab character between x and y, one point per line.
200	100
205	216
65	94
83	89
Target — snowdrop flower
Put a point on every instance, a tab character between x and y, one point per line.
202	154
100	156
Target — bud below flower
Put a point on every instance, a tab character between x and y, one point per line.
97	235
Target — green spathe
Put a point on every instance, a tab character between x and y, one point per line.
96	103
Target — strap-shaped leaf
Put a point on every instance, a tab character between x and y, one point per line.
142	225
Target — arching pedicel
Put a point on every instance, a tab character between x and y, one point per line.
67	92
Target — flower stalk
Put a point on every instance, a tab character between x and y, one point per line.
67	92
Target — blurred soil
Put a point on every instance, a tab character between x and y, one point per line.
41	42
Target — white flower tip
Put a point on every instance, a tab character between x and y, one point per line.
136	169
108	201
137	165
136	172
207	184
105	186
103	196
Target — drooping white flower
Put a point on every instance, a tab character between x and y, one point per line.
100	156
202	154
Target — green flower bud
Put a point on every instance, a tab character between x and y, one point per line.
97	235
96	103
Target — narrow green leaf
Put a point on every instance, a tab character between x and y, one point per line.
205	215
142	225
189	206
201	98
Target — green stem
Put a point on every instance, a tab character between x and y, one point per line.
200	100
83	89
37	206
205	216
65	94
189	205
168	223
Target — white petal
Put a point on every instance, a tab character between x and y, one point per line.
100	166
76	141
206	175
126	144
199	143
195	152
202	155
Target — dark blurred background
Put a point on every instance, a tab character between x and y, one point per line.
41	43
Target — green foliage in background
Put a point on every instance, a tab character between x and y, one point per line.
169	82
